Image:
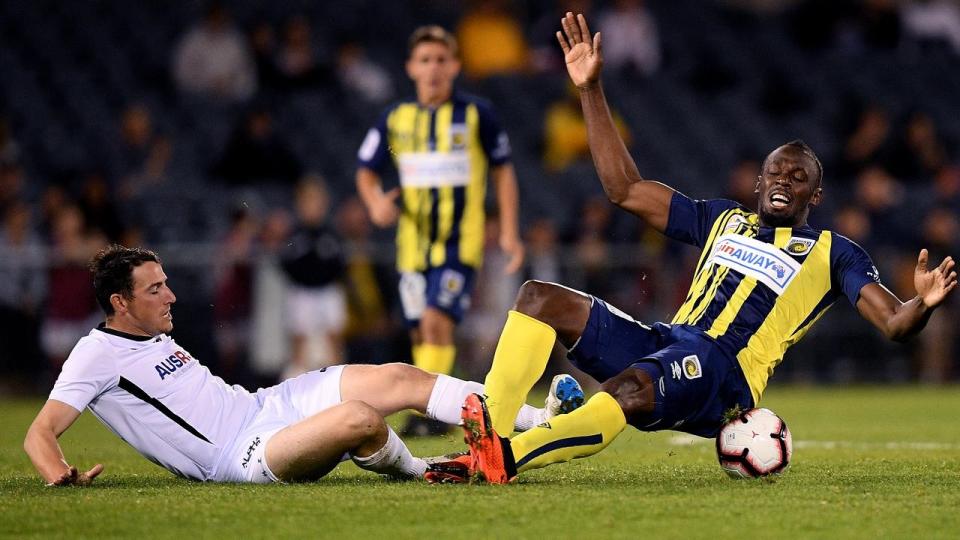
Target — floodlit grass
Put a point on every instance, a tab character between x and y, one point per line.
868	463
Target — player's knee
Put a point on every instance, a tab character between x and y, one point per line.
362	420
542	300
633	390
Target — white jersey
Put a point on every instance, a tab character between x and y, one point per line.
156	397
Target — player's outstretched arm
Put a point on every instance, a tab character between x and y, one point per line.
44	451
381	205
508	203
618	172
900	320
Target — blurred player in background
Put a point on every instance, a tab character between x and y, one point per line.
159	399
442	145
762	280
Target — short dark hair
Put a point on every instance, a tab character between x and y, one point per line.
805	148
112	269
433	34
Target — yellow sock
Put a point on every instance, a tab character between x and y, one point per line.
521	356
582	433
434	358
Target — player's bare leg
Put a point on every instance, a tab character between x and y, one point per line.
564	309
391	388
312	447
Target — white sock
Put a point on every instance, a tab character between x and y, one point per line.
446	403
393	459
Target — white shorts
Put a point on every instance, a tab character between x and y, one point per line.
280	406
316	310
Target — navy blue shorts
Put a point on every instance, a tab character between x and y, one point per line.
446	288
695	382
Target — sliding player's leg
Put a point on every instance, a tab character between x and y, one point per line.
544	312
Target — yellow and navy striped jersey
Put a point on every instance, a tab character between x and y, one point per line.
441	156
756	289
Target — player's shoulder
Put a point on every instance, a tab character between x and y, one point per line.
482	104
843	243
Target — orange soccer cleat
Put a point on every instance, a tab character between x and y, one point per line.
491	454
449	469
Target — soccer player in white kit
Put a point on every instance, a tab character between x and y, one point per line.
155	396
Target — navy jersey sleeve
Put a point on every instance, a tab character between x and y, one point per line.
690	220
374	151
493	139
851	268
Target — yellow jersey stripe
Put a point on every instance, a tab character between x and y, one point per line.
472	224
766	347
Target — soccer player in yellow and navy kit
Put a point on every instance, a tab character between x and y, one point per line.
762	280
442	145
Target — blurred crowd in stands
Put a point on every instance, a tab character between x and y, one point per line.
224	136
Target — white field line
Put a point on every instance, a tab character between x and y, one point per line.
690	440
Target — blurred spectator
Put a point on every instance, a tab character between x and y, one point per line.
919	152
854	223
360	75
213	60
543	251
314	263
565	132
297	60
946	187
98	207
71	308
545	54
264	47
369	329
932	21
631	42
742	182
12	185
491	40
591	247
22	289
867	143
142	155
9	147
232	296
881	195
256	153
938	340
269	347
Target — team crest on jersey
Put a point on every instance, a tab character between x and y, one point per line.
691	367
759	260
458	136
800	246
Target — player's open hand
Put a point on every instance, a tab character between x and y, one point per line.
933	286
384	211
581	52
72	477
512	246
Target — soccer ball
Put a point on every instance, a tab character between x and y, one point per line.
757	443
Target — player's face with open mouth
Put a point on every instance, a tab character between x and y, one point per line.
788	187
433	68
150	309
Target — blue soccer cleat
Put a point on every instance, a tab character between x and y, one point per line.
565	396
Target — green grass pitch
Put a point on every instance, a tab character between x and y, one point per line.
868	463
